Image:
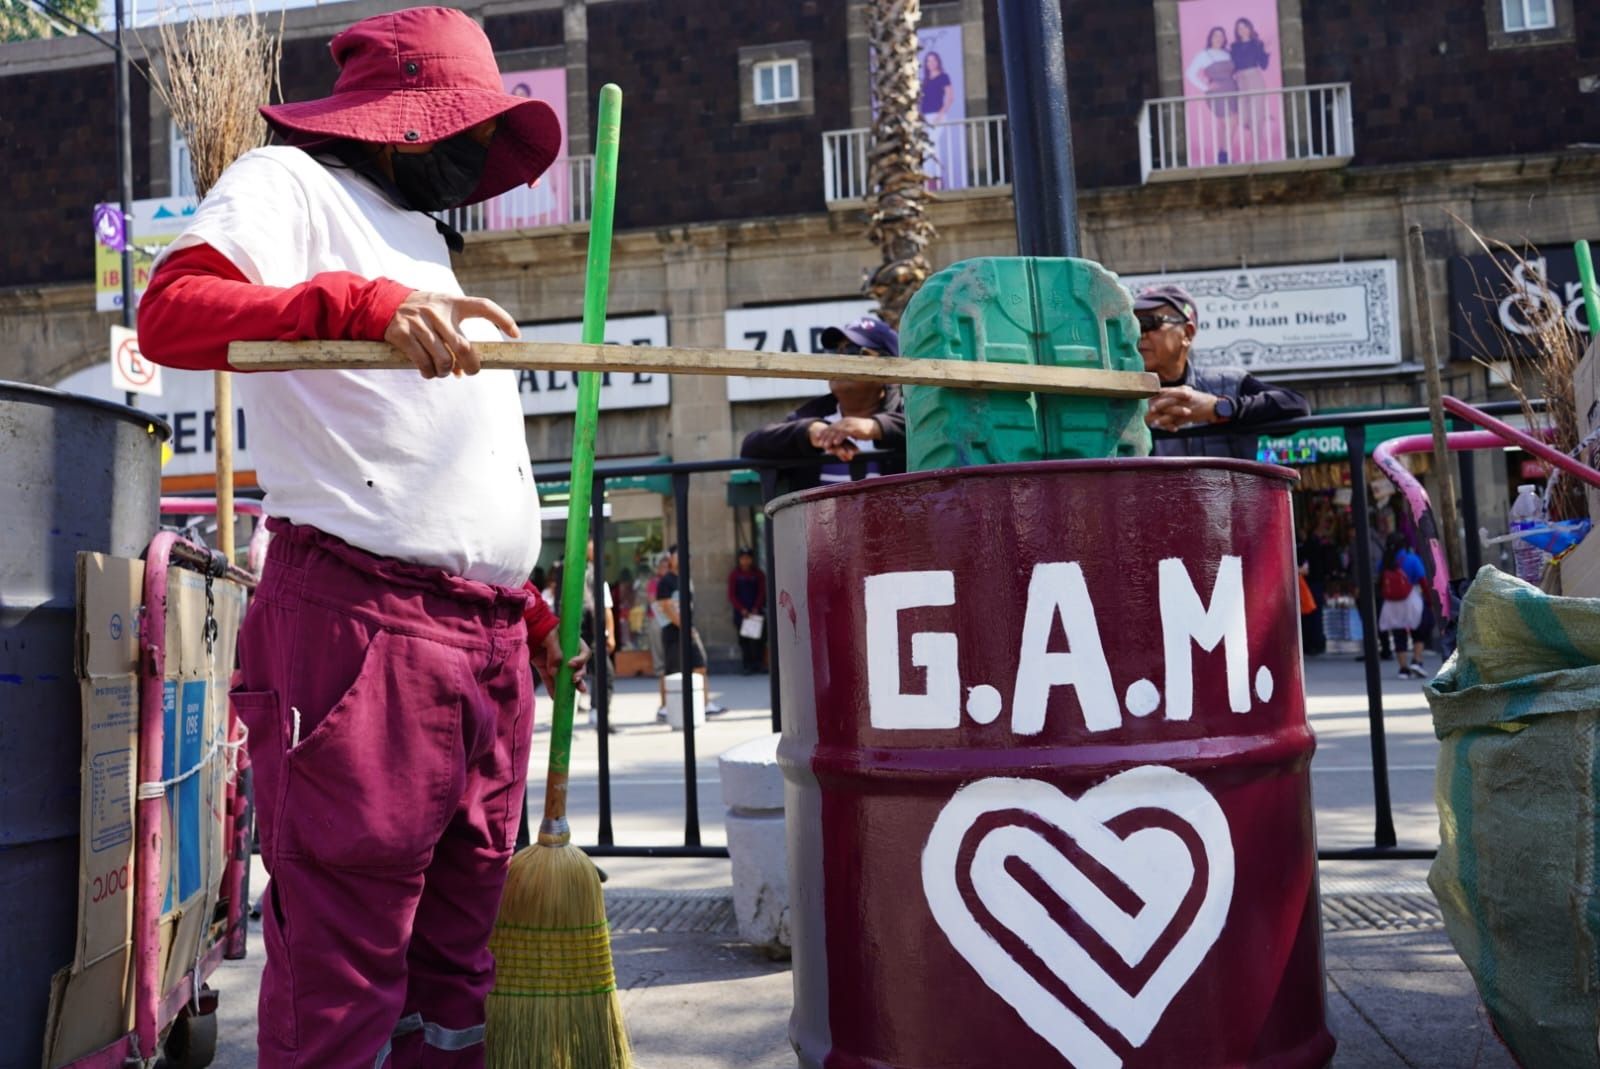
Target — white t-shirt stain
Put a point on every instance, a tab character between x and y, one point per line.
432	471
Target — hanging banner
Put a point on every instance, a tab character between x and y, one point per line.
150	227
1304	317
555	393
944	105
785	328
548	202
1232	71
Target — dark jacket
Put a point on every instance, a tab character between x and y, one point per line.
790	439
1257	403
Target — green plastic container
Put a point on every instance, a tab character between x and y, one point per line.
1021	310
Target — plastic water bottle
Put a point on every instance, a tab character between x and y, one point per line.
1528	512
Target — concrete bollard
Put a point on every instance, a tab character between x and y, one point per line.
752	788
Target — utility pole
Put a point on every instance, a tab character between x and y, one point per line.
119	50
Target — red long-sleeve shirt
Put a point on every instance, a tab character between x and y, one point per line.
198	302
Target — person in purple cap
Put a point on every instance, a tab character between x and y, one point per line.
845	426
384	660
1226	397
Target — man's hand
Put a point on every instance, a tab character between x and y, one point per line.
427	329
546	658
835	438
857	427
1176	407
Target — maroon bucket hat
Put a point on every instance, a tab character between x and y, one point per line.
421	75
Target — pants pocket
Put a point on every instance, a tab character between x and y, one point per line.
373	783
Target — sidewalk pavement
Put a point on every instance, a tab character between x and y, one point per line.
697	998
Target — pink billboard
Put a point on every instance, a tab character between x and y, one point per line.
1232	70
548	202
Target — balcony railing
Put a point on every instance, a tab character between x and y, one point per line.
966	154
1295	128
561	196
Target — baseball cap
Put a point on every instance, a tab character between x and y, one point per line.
867	332
1169	295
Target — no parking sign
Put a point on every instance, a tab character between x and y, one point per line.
130	371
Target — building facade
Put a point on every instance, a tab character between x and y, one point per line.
1281	185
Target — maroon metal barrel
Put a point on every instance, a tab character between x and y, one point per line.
1047	770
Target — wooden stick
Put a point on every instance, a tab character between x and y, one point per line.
223	402
566	356
1453	550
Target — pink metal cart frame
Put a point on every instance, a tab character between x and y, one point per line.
154	1012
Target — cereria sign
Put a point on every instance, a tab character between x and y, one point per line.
1046	742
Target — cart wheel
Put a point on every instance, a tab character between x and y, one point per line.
191	1042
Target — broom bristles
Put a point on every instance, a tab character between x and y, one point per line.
555	1003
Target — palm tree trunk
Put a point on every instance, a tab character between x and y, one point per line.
897	186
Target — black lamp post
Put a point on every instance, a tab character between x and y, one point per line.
1034	56
124	137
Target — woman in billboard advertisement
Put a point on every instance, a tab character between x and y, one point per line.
943	106
1250	60
1212	72
937	91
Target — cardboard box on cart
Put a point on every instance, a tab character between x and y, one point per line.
91	1003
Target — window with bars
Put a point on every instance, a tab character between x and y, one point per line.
1525	15
776	81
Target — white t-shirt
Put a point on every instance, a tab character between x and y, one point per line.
433	471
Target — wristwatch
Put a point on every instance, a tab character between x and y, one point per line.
1226	409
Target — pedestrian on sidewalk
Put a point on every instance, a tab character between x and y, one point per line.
384	658
668	604
1401	615
747	594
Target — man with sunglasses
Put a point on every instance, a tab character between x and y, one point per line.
1226	397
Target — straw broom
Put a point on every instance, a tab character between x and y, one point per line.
555	1003
218	71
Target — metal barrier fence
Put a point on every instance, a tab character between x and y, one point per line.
680	473
1355	426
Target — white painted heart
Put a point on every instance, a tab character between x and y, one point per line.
1154	863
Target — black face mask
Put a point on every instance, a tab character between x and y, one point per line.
442	177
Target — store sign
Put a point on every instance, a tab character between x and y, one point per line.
1500	303
1298	318
151	226
552	393
785	328
1328	443
187	402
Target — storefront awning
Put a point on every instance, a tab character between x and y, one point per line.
1327	443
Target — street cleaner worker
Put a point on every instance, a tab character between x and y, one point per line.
384	676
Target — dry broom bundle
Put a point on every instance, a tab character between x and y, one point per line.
1542	354
215	74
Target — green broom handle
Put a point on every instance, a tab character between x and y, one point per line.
595	286
1591	302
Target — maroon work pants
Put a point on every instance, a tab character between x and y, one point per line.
390	712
